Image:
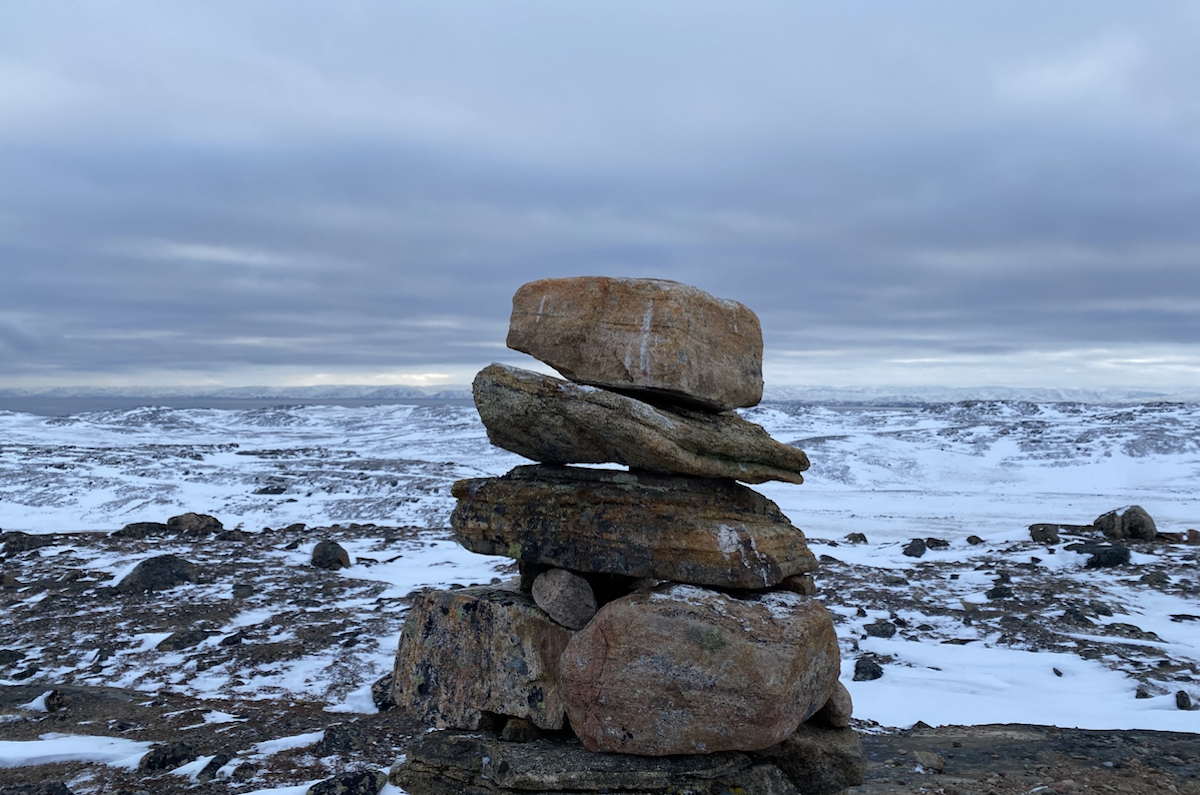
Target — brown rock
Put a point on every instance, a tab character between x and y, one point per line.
837	710
1127	523
659	340
802	584
194	524
685	670
559	422
476	650
566	597
693	530
820	761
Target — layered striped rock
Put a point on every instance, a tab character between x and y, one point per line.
691	530
686	670
658	340
560	422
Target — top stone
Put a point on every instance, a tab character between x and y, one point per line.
660	341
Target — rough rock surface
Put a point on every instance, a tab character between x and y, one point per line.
820	761
158	574
661	340
684	670
837	710
566	597
691	530
475	650
559	422
453	763
1131	523
192	525
329	554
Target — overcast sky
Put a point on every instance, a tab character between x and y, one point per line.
907	193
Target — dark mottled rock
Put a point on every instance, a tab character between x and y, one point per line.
856	538
656	340
56	701
10	657
692	530
1044	533
342	738
974	540
16	541
354	782
139	530
41	788
1108	557
880	628
916	548
328	554
566	597
158	574
937	543
209	771
559	422
167	757
231	536
381	692
820	760
194	525
479	650
999	592
802	584
454	763
8	580
1131	523
242	590
519	730
683	669
184	639
866	670
1183	700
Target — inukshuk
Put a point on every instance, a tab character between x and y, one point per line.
662	636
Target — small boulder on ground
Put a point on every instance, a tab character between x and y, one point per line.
916	548
1132	523
353	782
330	555
1107	557
158	574
867	670
140	530
194	525
16	541
167	757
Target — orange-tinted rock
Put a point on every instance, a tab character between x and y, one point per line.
559	422
684	670
691	530
659	340
476	650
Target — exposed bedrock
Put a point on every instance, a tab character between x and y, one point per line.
660	340
686	670
560	422
479	650
689	530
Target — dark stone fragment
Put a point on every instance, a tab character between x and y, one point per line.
916	548
41	788
232	536
330	555
354	782
342	738
158	574
210	770
1044	533
1127	523
278	488
139	530
57	700
244	771
381	692
167	757
866	670
894	579
1073	615
185	639
1000	592
8	580
194	525
1108	557
856	538
243	590
10	657
1159	579
26	674
937	543
16	541
974	540
1183	700
880	629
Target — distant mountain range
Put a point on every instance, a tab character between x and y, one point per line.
874	395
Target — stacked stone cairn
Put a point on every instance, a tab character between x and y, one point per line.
662	637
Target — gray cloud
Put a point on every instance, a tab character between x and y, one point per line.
915	192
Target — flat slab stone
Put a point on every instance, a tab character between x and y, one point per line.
476	650
651	338
454	763
684	670
560	422
692	530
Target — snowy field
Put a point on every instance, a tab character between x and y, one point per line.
948	471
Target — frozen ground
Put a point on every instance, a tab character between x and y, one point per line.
1065	645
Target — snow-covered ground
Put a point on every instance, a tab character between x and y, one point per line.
947	470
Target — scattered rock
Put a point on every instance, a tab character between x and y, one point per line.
167	757
381	692
686	670
10	657
1132	523
566	597
209	772
866	670
242	590
820	761
8	580
140	530
929	760
856	538
974	540
16	541
657	340
194	525
894	579
1107	557
937	543
837	710
1183	700
880	628
232	536
184	639
329	554
476	650
1044	533
41	788
718	533
999	592
558	422
56	701
916	548
342	738
354	782
158	574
